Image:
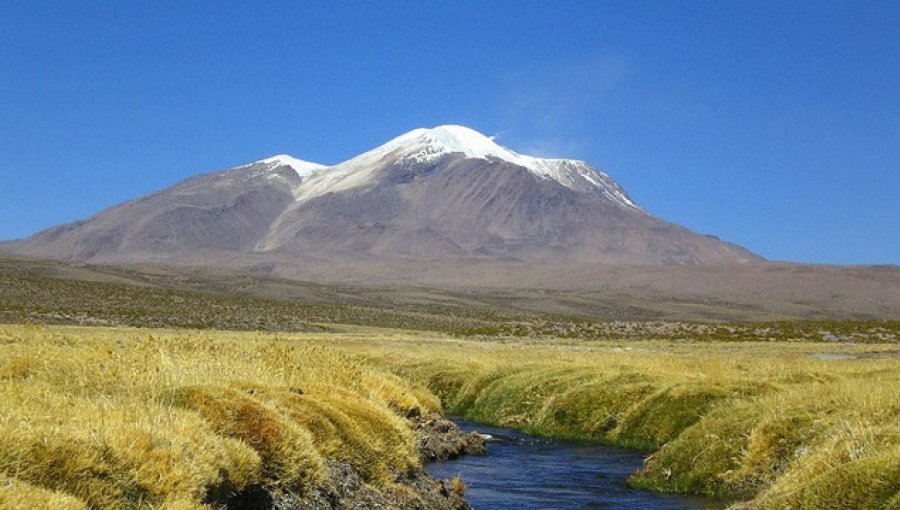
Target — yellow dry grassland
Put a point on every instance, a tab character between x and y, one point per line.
772	425
118	418
128	418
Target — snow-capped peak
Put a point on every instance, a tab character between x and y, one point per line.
304	169
427	145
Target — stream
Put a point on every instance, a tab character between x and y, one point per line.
522	471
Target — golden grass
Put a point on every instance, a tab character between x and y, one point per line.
117	418
458	486
19	495
765	423
124	418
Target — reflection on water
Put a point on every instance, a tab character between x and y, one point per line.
522	471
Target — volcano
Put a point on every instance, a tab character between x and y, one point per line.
447	192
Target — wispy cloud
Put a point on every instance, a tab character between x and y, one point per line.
548	105
555	147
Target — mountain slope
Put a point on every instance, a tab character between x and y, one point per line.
430	193
218	211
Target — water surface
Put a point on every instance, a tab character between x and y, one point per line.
522	471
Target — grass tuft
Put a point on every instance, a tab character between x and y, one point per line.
284	447
19	495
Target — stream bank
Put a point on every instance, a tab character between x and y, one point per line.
437	438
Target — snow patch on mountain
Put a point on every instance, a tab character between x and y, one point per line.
303	168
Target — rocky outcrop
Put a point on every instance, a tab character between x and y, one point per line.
345	490
438	438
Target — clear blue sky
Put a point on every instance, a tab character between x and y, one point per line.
775	125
